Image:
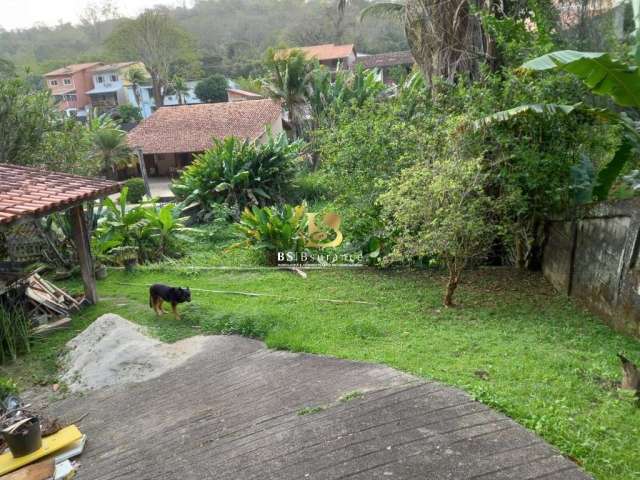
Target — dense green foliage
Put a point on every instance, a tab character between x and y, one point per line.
7	387
136	190
129	114
239	173
439	208
528	163
165	48
603	75
231	35
45	138
146	232
274	230
212	89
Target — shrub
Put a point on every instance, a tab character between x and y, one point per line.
240	174
150	230
137	190
274	229
212	89
368	147
129	114
311	187
440	209
7	387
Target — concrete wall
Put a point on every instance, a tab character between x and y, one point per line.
595	260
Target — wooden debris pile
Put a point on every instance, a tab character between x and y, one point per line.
47	306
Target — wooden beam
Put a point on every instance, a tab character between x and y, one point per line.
83	247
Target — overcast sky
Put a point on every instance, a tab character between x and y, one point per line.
25	13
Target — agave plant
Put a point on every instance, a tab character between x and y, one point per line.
274	229
604	75
239	173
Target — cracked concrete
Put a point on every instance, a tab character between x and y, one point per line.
233	411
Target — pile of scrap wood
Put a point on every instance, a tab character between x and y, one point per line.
48	306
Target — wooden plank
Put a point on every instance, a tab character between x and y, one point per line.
36	471
81	240
50	327
50	444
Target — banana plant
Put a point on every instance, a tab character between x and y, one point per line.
603	75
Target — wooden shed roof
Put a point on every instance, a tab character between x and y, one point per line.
26	191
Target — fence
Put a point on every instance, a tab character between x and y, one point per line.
595	260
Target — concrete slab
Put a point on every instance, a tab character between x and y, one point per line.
233	412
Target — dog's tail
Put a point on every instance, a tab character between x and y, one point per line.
150	300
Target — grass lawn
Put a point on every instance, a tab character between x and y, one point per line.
512	343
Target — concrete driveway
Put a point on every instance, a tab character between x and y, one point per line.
235	411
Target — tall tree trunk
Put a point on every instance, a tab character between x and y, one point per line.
158	94
452	283
445	38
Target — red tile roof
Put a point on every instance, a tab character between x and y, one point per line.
192	128
390	59
71	69
328	51
26	191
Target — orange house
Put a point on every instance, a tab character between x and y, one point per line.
69	85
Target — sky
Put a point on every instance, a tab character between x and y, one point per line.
25	13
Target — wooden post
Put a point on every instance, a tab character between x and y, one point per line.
81	241
143	171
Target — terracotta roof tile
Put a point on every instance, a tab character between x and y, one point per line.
26	191
69	69
386	59
191	128
329	51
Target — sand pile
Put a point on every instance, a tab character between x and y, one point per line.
115	351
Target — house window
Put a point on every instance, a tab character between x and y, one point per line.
114	78
99	79
67	81
53	83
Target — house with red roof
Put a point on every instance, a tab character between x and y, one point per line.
171	136
69	86
330	55
386	64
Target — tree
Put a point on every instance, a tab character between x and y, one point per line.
7	69
180	89
212	89
110	149
445	36
289	74
95	17
159	42
440	210
136	77
31	112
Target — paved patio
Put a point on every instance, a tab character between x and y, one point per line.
233	412
159	187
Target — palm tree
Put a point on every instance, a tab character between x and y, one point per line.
110	149
287	82
445	37
180	88
136	77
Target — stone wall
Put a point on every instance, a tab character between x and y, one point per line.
595	260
